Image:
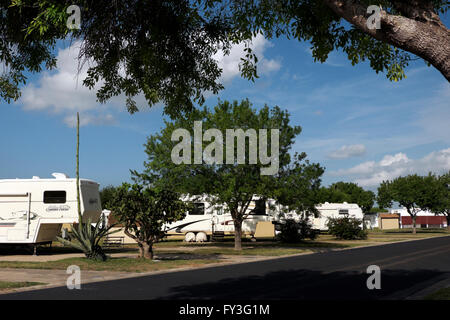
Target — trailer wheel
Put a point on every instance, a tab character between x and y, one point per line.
189	237
201	237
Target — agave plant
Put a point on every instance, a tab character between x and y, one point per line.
87	239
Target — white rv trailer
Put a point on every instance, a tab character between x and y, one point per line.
207	219
336	210
32	211
328	210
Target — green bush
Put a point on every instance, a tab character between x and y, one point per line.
292	231
346	228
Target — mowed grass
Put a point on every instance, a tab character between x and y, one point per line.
6	285
269	247
112	264
178	254
441	294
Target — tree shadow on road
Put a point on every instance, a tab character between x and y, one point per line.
308	285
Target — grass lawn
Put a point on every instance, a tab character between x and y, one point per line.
112	264
178	254
442	294
5	285
269	247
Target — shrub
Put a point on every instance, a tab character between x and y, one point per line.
87	239
346	228
292	231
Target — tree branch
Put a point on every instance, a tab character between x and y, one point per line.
420	32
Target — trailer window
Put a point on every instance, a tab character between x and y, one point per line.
54	197
198	208
343	211
260	207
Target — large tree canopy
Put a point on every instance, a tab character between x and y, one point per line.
348	192
233	183
161	49
440	202
412	192
164	49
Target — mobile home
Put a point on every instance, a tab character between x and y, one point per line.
32	211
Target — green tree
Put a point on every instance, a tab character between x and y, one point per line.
440	203
413	192
348	192
228	182
107	196
377	210
164	49
407	28
143	212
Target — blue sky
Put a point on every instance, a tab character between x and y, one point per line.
357	124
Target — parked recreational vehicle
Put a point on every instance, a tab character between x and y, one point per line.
205	220
32	211
335	210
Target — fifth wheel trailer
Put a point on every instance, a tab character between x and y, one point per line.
32	211
207	219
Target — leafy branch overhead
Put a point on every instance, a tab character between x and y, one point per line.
164	49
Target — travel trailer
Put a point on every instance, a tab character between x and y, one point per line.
206	220
336	210
32	211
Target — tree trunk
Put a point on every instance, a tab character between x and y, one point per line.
418	30
414	224
238	235
145	250
448	221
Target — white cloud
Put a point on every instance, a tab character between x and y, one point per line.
230	63
87	119
371	173
344	152
62	92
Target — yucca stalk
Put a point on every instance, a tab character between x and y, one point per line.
87	239
78	169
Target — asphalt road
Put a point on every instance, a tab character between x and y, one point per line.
406	268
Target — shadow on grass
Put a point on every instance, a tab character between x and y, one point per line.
8	250
419	231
